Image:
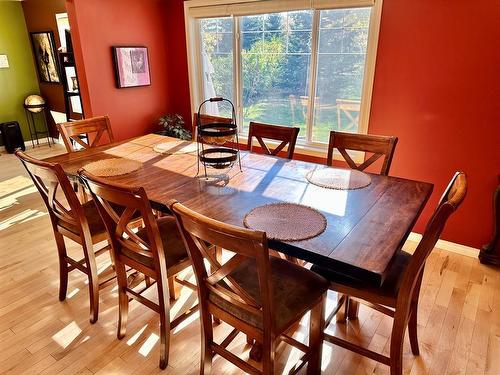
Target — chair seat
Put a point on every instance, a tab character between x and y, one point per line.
295	290
173	246
389	288
94	220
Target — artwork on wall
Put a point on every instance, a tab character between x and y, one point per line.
131	66
44	50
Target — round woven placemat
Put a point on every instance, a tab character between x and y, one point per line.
112	167
340	179
175	147
286	221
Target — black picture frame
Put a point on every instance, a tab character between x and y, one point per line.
44	52
126	59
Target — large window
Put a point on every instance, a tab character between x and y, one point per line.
304	68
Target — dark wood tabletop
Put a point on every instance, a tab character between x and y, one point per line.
365	226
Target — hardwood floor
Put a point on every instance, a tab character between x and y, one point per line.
459	311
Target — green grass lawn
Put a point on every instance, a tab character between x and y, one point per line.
279	112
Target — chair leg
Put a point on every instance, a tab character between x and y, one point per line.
174	289
343	311
218	257
93	282
164	303
397	338
412	329
206	343
352	309
63	266
412	322
123	301
316	335
268	354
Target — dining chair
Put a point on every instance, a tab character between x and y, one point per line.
258	295
378	145
285	134
398	295
93	129
74	220
156	250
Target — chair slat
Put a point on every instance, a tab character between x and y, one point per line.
287	136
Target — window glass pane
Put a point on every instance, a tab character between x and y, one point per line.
275	58
343	38
217	62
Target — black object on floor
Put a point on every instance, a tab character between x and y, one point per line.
12	136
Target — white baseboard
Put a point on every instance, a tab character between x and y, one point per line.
28	144
449	246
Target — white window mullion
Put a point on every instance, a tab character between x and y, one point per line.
238	87
313	70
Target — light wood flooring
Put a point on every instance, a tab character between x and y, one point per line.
459	311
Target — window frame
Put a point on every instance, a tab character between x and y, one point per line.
197	9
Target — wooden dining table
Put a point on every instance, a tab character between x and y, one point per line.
365	227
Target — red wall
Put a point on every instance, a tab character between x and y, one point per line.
96	26
437	88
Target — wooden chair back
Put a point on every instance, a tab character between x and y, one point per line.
452	198
198	230
120	206
376	144
48	177
287	136
93	128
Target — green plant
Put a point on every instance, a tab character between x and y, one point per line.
173	126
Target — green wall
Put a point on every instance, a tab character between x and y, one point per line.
19	80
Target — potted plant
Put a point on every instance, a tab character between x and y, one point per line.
173	126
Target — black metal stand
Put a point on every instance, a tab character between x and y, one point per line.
490	253
222	136
35	133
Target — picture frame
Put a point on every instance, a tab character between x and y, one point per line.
131	66
44	52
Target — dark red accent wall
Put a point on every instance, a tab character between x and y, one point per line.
437	88
97	26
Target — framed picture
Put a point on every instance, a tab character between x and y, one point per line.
131	66
44	50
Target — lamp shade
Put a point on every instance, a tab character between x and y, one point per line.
34	103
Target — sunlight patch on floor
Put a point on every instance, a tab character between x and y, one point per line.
326	357
67	335
148	345
185	323
21	218
136	335
14	184
73	293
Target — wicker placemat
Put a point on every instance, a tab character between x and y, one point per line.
175	147
340	179
286	221
112	167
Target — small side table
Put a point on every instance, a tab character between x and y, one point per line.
490	253
35	133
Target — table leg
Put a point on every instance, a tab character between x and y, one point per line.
349	310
